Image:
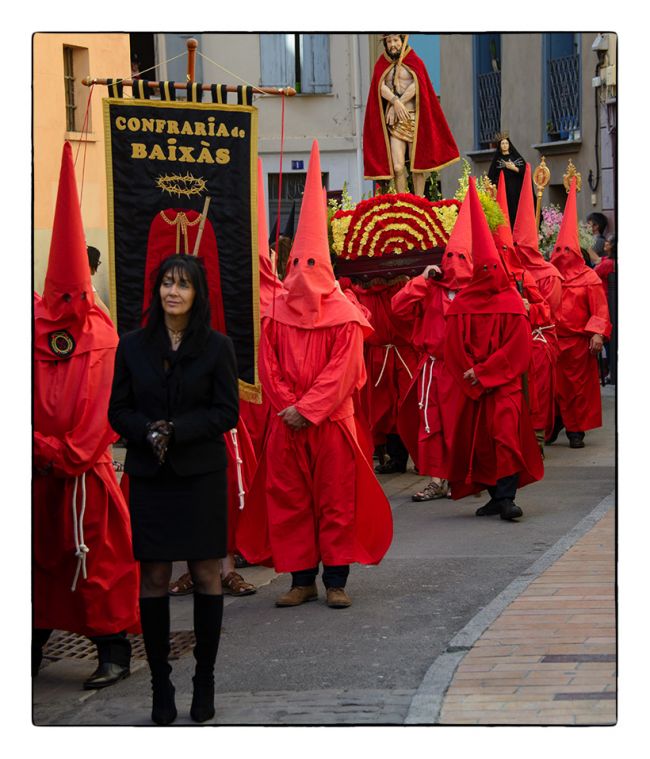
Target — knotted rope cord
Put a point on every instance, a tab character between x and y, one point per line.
81	549
424	397
538	333
238	459
399	355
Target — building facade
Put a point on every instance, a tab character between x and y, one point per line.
60	112
555	94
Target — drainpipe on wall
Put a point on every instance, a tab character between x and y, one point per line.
358	106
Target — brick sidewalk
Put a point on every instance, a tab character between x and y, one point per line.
549	658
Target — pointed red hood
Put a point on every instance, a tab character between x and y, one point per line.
68	292
67	321
491	290
312	298
270	285
567	256
526	237
503	235
456	261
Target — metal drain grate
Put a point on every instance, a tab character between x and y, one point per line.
66	645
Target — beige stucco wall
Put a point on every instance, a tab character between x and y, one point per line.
108	56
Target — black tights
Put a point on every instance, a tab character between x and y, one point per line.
155	577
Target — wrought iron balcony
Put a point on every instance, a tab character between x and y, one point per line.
489	107
563	97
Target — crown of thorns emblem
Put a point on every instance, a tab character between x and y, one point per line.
175	184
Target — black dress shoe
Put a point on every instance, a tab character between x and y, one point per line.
576	439
106	674
509	509
491	508
390	467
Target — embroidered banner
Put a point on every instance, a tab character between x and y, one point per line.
164	158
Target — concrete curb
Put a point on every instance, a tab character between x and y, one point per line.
426	705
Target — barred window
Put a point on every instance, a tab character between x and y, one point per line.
487	89
75	67
68	76
562	86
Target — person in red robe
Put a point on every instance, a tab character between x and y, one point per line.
428	412
314	498
391	363
401	85
487	351
85	577
541	374
256	415
582	325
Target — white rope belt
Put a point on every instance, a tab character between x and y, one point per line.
240	478
81	549
538	333
424	397
399	356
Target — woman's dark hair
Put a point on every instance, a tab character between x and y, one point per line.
93	258
599	219
611	239
185	267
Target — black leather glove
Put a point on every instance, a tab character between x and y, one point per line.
159	434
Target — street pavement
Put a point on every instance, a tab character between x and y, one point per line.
457	602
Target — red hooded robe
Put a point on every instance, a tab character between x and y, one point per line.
488	330
583	312
85	577
391	361
427	415
256	415
541	375
314	497
433	147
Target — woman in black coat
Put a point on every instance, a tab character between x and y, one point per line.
175	392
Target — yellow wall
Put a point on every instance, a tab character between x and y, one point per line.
108	55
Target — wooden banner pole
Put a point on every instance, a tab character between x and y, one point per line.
192	46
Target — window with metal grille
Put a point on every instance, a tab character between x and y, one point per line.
68	76
487	89
76	66
562	86
301	61
293	186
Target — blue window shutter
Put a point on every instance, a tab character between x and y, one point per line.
315	64
277	60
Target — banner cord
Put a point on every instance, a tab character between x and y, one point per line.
84	141
223	68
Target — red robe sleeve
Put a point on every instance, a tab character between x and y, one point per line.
599	322
338	379
457	358
540	312
272	378
79	449
509	361
408	302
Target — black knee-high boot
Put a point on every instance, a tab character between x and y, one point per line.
154	615
208	614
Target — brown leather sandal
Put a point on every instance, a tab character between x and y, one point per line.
233	584
432	491
183	586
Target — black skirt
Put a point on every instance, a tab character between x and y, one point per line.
178	518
